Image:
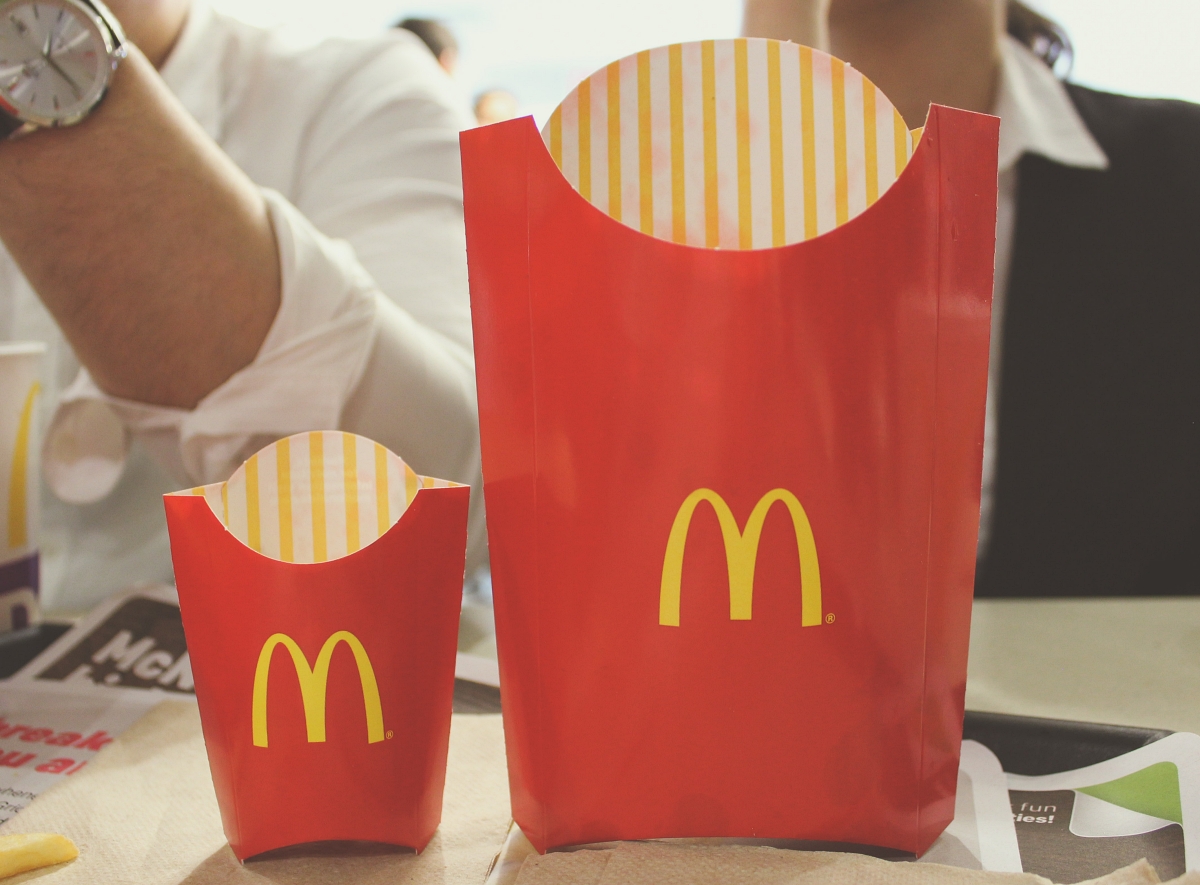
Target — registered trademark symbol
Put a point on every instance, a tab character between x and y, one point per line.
390	735
829	618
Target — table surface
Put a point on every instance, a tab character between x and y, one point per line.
1117	661
1113	661
144	812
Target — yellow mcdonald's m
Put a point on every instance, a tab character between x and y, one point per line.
312	686
741	553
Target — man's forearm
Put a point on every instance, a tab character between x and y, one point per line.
152	251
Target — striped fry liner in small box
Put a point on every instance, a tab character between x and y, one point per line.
315	496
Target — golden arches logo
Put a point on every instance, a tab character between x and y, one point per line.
313	684
741	554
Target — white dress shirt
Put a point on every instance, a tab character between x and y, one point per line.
354	144
1036	117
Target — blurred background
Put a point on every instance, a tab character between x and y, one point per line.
537	50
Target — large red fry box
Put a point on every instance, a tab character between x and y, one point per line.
731	334
320	589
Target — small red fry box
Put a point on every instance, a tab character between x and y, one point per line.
731	330
320	588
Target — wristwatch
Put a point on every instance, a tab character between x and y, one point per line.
56	60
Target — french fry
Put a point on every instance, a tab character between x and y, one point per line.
22	852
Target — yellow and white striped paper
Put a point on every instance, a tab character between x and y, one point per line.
315	496
730	144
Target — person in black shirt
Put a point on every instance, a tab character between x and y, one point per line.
1092	480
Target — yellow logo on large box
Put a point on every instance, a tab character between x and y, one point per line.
313	684
741	553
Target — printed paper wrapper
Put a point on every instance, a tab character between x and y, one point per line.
732	448
320	589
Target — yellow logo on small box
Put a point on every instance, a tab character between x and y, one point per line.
313	684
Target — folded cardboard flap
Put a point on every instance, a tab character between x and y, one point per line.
316	496
731	144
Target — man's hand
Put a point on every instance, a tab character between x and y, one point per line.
802	21
151	249
916	51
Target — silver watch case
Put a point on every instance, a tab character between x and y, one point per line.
114	44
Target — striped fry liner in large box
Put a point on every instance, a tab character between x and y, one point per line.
732	144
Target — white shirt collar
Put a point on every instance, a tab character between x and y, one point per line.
193	69
1037	116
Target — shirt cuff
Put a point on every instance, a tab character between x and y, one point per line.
309	363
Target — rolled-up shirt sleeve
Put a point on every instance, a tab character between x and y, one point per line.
373	329
308	364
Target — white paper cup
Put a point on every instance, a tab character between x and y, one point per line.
20	365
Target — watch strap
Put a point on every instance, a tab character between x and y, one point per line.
9	124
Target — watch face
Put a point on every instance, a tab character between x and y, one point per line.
54	60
